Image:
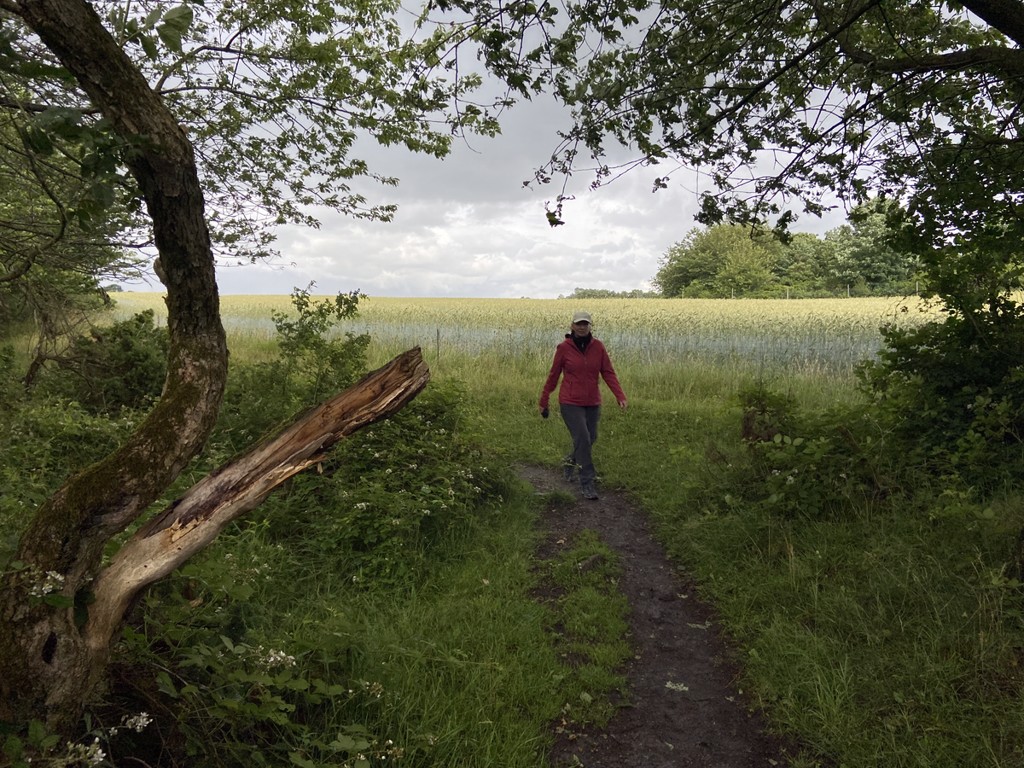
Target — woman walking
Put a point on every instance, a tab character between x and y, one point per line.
580	360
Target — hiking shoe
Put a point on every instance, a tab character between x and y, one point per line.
589	491
569	471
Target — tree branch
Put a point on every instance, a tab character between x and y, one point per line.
1007	16
988	58
194	520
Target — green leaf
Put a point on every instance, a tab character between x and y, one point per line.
170	36
13	748
36	732
174	26
58	601
38	141
179	17
297	758
165	685
149	46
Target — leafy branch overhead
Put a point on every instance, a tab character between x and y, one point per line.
780	104
275	96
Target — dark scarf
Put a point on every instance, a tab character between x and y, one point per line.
581	342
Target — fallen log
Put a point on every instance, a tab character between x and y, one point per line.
191	522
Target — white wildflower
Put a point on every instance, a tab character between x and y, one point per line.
52	582
274	658
137	722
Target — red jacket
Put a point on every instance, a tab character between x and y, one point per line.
581	370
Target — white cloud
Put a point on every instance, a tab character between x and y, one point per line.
467	227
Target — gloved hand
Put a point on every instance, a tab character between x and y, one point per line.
544	413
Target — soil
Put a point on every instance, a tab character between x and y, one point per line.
682	706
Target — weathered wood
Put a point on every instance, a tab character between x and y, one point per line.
192	522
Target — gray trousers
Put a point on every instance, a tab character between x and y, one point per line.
582	423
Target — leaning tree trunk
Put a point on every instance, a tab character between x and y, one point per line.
192	521
43	656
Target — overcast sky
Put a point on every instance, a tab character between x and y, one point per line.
467	227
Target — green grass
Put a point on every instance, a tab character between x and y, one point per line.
890	636
465	668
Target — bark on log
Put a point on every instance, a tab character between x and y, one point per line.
192	522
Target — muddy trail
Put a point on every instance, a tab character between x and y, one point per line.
682	708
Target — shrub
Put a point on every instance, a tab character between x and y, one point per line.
389	494
121	366
952	393
812	464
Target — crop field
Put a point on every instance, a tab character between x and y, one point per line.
828	336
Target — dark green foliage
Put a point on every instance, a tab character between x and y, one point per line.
720	261
765	413
9	389
811	464
227	702
833	463
389	494
116	367
953	392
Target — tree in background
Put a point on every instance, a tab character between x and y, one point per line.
685	265
731	260
864	257
799	266
879	254
603	293
725	260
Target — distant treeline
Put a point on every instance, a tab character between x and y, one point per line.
860	258
600	293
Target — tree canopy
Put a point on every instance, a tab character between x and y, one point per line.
787	102
274	95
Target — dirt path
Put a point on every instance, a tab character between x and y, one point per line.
682	709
